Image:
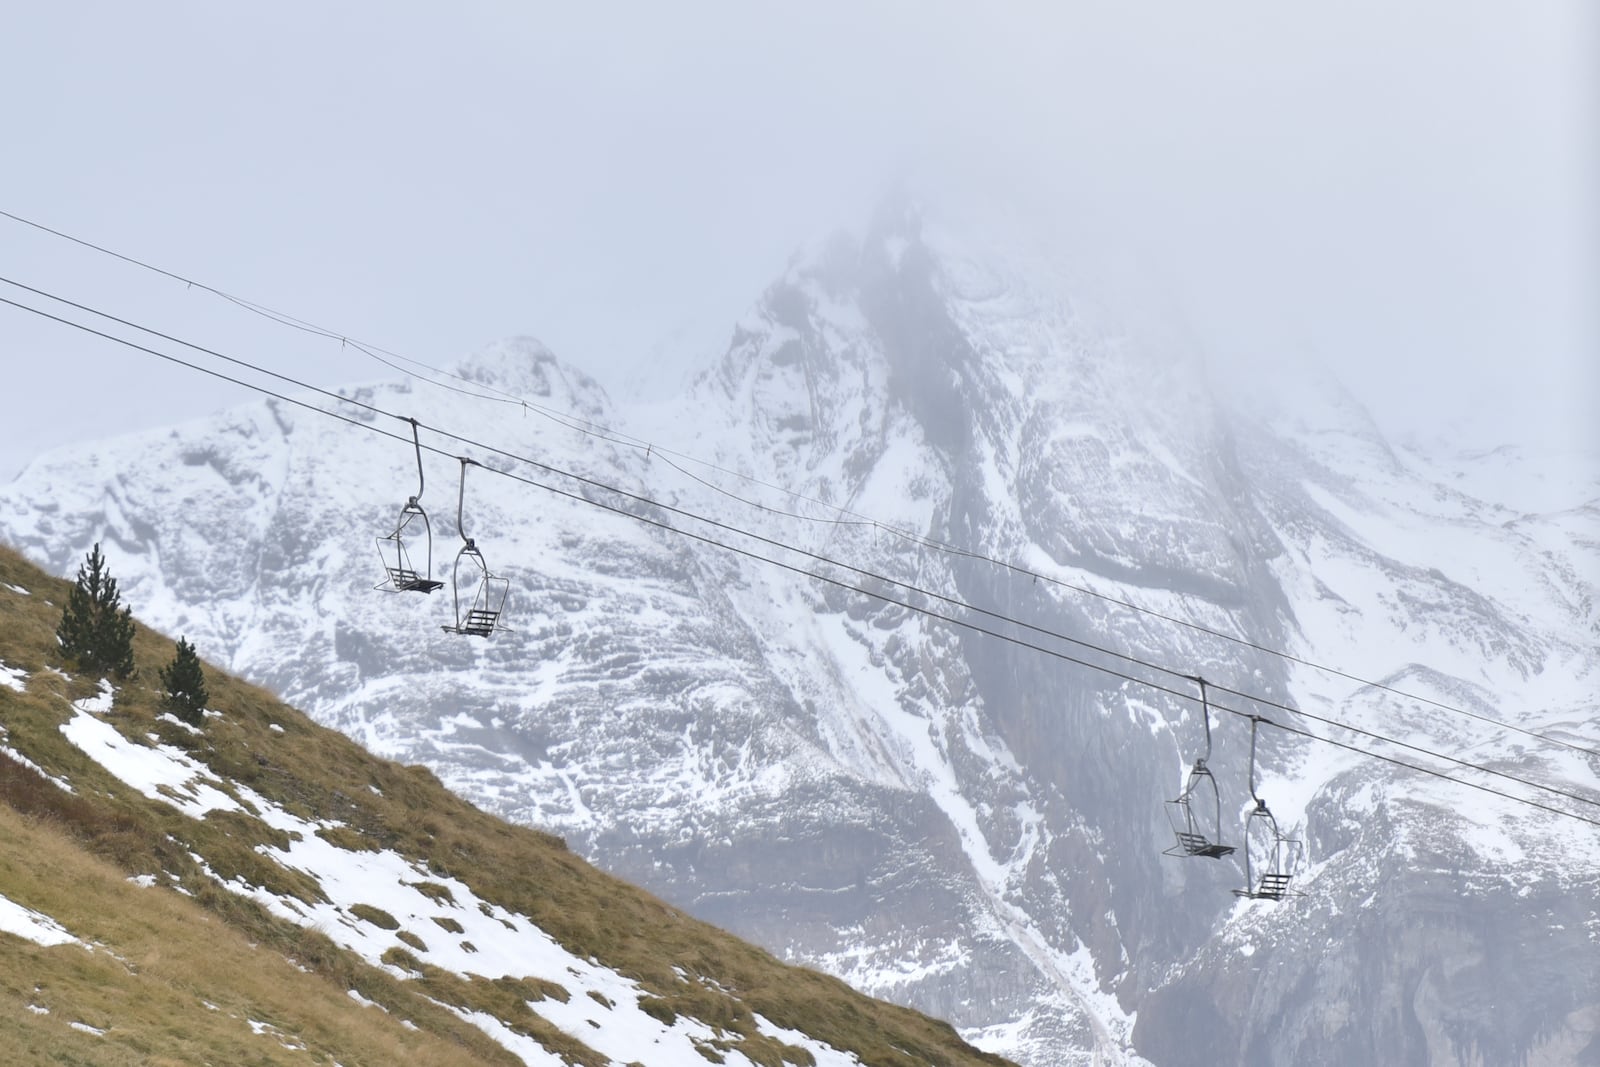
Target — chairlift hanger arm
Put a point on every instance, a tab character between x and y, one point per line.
1205	716
1255	721
461	498
416	442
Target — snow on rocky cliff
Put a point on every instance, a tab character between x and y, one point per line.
938	816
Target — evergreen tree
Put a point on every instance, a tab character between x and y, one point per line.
93	633
186	684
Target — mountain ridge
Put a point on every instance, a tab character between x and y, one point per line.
955	822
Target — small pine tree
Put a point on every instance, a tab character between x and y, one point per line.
93	633
186	684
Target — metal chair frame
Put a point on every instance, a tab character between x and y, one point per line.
1268	881
400	575
482	616
1195	837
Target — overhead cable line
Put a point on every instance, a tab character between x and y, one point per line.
839	583
485	391
953	601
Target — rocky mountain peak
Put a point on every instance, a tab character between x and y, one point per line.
525	367
965	823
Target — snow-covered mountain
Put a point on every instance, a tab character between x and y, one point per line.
938	815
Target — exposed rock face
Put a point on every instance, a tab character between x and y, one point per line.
936	814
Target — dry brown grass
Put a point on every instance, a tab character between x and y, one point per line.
169	982
320	774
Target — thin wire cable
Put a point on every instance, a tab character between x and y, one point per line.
480	391
831	580
817	557
820	558
617	437
764	507
777	544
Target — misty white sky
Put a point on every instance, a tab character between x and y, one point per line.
1402	190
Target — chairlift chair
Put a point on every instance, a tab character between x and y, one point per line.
1196	815
487	601
400	575
482	616
1197	832
1270	858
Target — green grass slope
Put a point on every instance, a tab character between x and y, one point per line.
172	967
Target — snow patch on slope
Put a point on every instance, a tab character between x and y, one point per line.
13	678
159	772
32	926
489	940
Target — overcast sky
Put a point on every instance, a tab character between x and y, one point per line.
1401	189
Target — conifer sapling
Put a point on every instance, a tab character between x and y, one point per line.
93	632
185	683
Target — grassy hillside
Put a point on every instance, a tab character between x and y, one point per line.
199	941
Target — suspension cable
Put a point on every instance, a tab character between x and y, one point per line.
828	579
488	392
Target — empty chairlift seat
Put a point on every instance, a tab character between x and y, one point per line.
1196	815
478	594
412	530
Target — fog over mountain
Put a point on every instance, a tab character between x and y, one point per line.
1402	194
938	815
